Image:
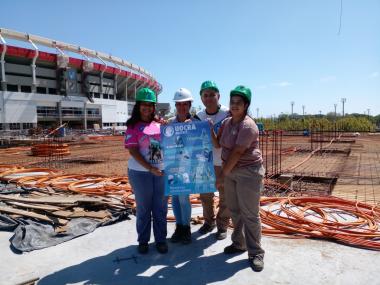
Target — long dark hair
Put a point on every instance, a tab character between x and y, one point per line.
136	116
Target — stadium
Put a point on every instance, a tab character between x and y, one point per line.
46	83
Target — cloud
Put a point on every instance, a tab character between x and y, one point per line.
328	78
374	74
284	84
261	87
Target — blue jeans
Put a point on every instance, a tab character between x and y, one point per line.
150	202
182	209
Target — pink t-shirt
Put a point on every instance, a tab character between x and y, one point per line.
245	134
145	136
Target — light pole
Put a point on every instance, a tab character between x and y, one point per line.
335	105
292	103
368	112
303	110
343	100
257	113
320	113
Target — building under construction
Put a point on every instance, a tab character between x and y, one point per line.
46	83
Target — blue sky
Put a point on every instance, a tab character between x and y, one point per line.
285	51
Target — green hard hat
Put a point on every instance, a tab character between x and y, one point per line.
208	85
242	91
146	95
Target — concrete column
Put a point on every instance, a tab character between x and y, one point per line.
85	115
115	78
2	100
101	85
59	106
126	91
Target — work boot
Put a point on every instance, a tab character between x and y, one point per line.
221	234
206	228
232	249
256	262
162	247
178	233
143	248
186	235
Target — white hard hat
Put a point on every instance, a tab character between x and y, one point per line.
182	95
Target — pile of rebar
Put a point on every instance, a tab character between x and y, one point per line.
50	149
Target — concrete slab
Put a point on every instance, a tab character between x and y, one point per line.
91	259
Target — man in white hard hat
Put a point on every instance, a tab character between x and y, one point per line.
181	203
216	113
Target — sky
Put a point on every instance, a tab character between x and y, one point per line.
312	53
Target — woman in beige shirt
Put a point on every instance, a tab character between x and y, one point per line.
242	177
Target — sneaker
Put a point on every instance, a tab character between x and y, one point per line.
256	262
143	248
221	234
206	228
162	247
186	235
231	249
178	233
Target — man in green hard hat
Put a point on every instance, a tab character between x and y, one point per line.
216	113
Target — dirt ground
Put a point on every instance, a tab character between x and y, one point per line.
356	164
105	156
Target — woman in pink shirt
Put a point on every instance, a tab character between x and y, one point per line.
145	166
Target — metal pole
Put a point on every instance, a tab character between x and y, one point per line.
343	100
292	104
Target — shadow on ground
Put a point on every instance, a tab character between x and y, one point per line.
181	265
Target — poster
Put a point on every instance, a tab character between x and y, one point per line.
188	162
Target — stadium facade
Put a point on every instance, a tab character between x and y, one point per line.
66	84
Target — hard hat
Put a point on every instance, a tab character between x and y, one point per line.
242	91
182	95
146	95
208	85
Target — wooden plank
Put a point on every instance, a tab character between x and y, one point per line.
82	214
60	200
33	206
97	215
10	210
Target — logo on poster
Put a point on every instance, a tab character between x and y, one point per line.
168	131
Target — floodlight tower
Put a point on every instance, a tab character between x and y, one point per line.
343	100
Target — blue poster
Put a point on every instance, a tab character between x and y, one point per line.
187	151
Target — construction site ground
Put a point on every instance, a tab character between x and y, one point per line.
353	165
355	162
